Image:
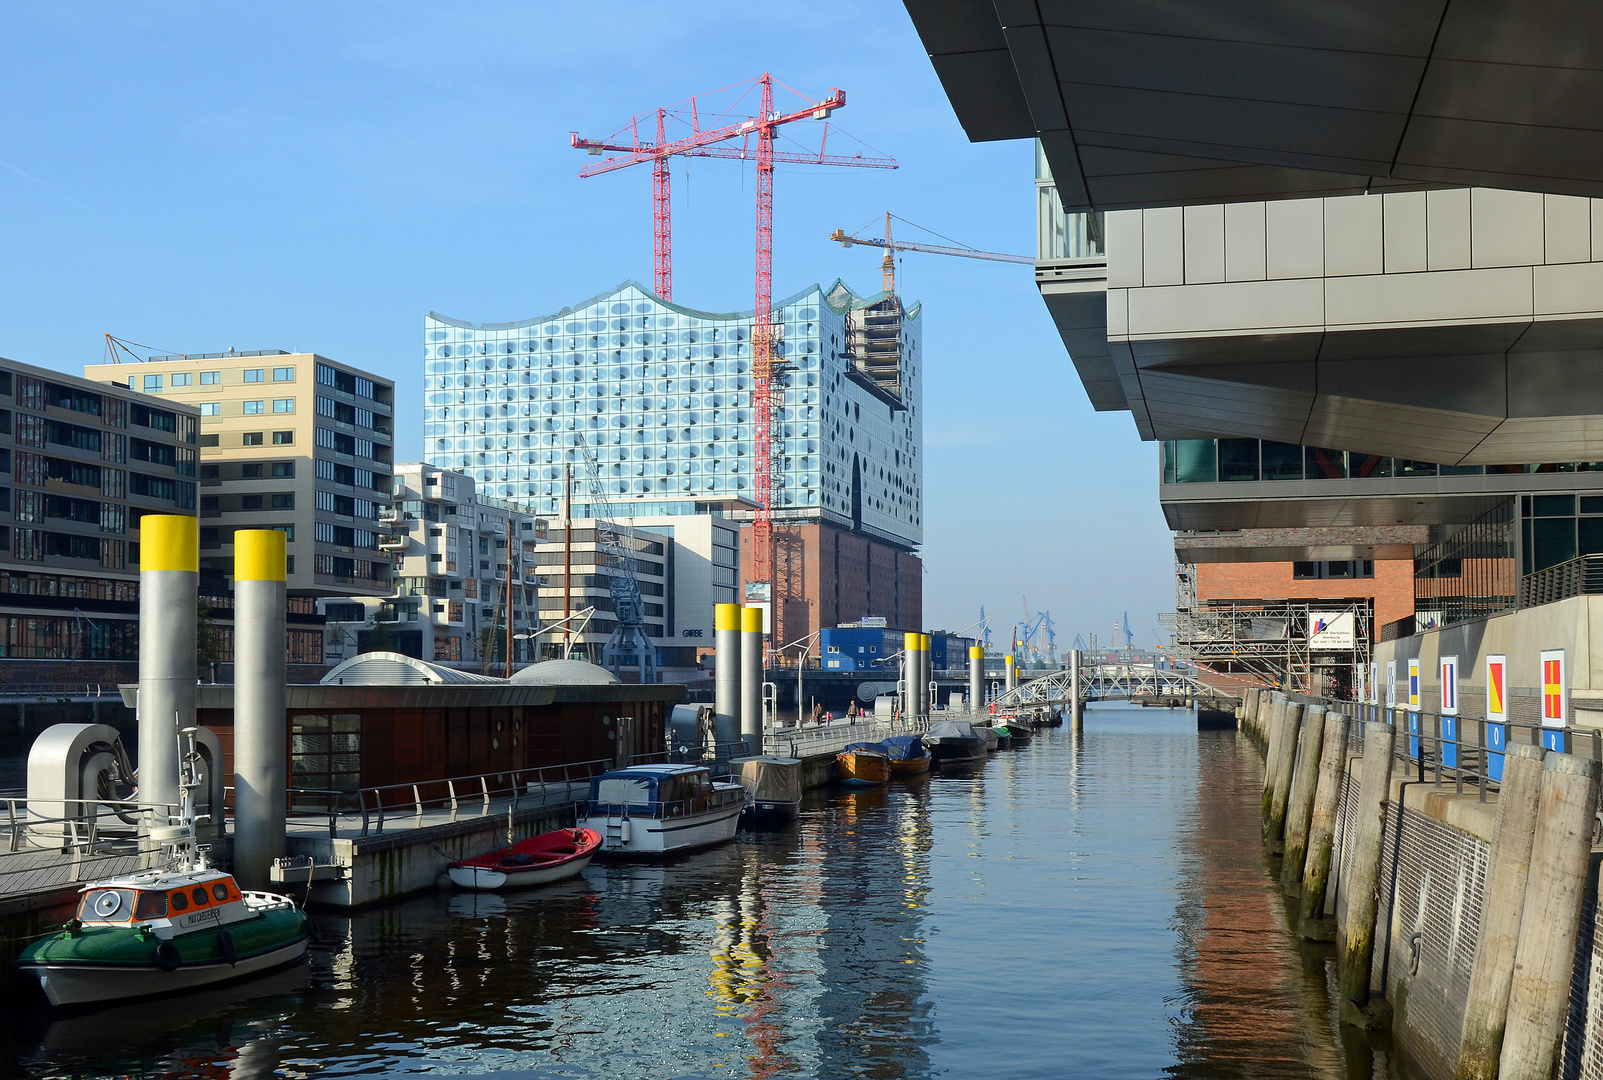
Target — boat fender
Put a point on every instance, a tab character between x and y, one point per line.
623	831
225	945
167	957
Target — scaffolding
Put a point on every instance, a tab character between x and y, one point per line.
1296	645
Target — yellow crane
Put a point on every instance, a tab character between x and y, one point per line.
890	246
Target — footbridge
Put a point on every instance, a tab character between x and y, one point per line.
1146	683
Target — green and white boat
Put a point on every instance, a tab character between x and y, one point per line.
160	931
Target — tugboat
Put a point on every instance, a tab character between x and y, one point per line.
181	925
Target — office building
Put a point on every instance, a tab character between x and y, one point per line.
289	441
455	552
649	404
82	463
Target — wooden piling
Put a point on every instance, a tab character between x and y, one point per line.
1311	922
1300	804
1285	765
1361	869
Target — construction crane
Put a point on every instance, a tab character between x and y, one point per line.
888	267
756	135
701	141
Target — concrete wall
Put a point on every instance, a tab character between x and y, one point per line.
1574	625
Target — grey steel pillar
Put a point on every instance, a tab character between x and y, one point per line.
976	678
751	680
924	702
910	673
261	753
169	581
726	680
1076	693
1011	678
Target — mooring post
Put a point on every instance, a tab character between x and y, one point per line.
1507	879
1277	709
1361	869
1300	805
1311	923
1285	763
1544	960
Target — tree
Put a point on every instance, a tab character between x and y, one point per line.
209	650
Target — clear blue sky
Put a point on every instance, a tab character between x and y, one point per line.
318	177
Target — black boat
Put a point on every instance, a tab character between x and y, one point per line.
955	742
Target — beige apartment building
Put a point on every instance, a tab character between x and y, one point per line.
288	441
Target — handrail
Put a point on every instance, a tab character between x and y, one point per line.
481	787
1577	577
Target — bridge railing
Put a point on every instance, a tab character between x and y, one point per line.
811	740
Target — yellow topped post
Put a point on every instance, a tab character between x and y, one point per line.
169	542
751	679
259	555
261	764
976	676
726	679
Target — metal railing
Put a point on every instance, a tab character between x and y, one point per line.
60	690
58	850
704	803
1465	751
809	741
550	785
1578	577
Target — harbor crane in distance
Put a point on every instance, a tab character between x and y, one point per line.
756	135
891	246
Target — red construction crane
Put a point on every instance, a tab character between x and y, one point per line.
763	128
701	142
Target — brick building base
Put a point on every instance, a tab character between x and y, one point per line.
828	576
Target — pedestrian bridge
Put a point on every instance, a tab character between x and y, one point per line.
1107	682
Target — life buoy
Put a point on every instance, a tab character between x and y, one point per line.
225	945
167	958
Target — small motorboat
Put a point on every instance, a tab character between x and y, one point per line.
773	787
661	809
987	733
1018	732
1004	737
955	742
539	860
864	765
178	926
909	756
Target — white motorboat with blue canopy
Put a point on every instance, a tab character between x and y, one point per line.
657	809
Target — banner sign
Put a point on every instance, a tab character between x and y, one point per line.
1391	684
1413	685
1554	698
1332	631
1374	682
1496	713
1449	674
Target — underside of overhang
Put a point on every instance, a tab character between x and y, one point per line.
1151	103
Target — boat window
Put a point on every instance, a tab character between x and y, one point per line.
220	891
106	905
622	791
151	905
180	901
200	896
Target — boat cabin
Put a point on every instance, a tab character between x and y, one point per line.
657	791
170	903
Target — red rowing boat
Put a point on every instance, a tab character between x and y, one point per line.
539	860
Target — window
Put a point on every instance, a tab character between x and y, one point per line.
284	500
211	408
209	440
252	407
283	468
283	438
284	405
209	472
211	378
252	438
152	384
182	378
254	374
209	505
250	502
283	374
250	472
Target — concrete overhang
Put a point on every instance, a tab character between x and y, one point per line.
1149	103
1076	295
1301	545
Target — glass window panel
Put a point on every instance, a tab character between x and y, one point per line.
1368	465
1403	467
1553	506
1281	461
1238	459
1591	536
1325	464
1554	542
1463	470
1195	461
1592	504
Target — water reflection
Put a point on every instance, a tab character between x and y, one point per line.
1094	904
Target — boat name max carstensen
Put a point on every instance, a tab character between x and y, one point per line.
211	915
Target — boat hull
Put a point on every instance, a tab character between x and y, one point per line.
860	769
911	766
77	983
664	836
770	812
957	753
467	876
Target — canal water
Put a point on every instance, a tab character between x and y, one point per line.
1094	907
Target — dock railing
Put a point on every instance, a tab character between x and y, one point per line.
61	842
1466	752
810	740
473	795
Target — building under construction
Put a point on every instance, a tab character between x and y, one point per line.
647	404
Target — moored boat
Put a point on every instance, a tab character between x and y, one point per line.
178	926
863	765
988	735
661	809
539	860
1004	737
773	787
955	742
909	756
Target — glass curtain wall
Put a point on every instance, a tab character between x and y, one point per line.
1470	573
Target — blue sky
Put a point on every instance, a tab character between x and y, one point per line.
319	177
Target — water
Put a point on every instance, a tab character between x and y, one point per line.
1098	908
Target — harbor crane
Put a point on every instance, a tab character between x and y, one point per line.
891	246
755	135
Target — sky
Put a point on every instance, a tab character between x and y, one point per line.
316	177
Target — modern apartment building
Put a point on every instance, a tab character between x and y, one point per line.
455	552
82	462
289	441
649	404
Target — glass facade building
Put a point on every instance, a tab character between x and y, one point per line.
652	401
